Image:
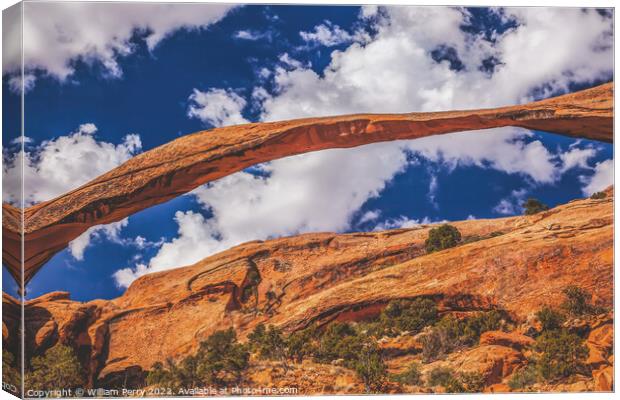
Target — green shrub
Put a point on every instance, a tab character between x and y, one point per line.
450	333
408	315
58	368
256	337
339	341
444	376
444	338
550	319
220	360
221	357
534	206
441	238
369	367
577	301
481	322
440	376
472	382
523	378
465	382
435	345
412	376
268	342
167	376
300	345
563	354
10	373
454	386
376	328
598	195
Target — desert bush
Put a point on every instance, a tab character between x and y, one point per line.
534	206
598	195
408	315
450	333
359	352
454	386
10	373
472	327
268	342
465	382
58	368
434	345
550	319
440	376
524	378
442	339
411	376
221	357
444	376
220	360
340	340
300	345
165	376
471	382
369	367
578	302
563	354
175	375
256	337
375	328
441	238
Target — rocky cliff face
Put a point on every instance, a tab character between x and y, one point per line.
183	164
515	264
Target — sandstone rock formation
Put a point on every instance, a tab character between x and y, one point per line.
321	277
493	362
512	339
185	163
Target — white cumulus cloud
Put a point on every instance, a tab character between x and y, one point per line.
329	35
217	107
401	222
603	177
110	232
58	33
512	204
58	165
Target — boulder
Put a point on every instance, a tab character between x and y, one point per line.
400	345
493	362
513	339
600	345
604	379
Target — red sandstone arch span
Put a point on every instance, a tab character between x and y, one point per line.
181	165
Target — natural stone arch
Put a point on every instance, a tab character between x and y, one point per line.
181	165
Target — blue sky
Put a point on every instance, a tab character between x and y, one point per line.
160	81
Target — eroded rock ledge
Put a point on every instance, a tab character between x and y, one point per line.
316	278
178	167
